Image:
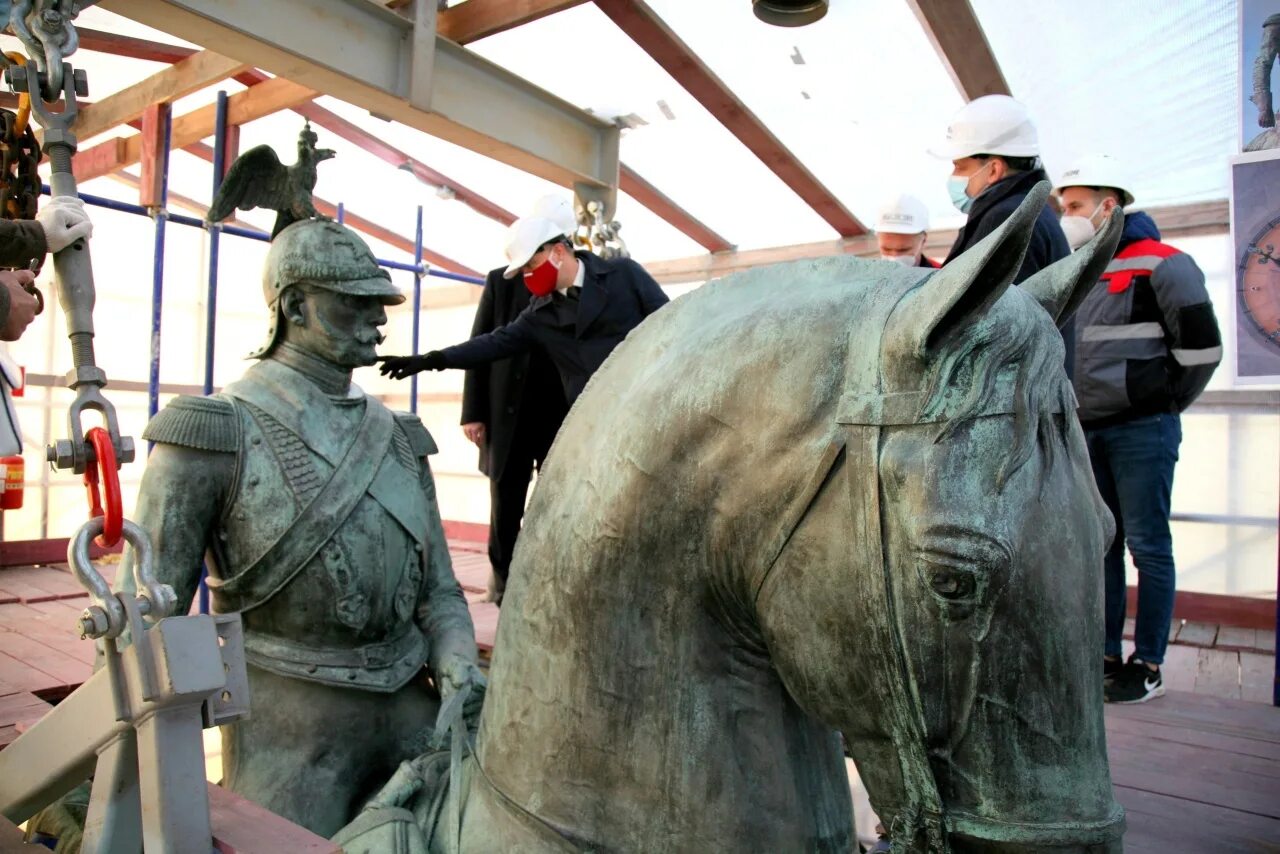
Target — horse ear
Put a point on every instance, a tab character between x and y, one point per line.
1062	286
970	284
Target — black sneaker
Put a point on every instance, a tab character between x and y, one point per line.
1136	683
1111	667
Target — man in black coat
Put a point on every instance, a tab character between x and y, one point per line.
511	409
582	307
995	156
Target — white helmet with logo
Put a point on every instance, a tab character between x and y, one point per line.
992	124
524	237
558	209
904	215
1097	170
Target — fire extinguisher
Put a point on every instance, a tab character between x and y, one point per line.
13	473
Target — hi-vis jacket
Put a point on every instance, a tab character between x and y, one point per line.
1147	341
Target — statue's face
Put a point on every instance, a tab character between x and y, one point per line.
340	328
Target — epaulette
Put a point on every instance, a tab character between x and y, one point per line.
419	439
203	423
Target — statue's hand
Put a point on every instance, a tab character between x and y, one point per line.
399	367
457	672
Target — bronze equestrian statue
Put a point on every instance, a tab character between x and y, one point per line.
315	509
828	496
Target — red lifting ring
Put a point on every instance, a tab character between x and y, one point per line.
113	523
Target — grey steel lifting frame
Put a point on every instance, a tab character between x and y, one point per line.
135	724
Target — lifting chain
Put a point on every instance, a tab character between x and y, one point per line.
19	157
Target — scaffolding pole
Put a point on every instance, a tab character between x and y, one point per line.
417	305
161	215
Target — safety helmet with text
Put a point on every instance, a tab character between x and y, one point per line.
903	215
1097	170
992	124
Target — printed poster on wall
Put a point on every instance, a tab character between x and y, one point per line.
1259	75
1255	238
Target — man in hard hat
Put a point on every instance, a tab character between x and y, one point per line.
995	157
316	508
1147	343
902	226
582	307
512	408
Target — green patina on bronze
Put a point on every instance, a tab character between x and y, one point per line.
829	496
315	508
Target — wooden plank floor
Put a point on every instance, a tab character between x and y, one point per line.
1197	770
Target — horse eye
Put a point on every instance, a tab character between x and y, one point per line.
952	584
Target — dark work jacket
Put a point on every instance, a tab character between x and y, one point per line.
1147	340
1048	243
578	334
520	393
20	241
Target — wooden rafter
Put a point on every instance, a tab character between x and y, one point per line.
365	226
646	29
953	29
477	19
463	29
1186	220
243	107
652	198
177	81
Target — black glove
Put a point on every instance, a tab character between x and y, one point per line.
399	367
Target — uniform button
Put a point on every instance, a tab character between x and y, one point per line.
352	675
417	547
254	481
311	668
257	440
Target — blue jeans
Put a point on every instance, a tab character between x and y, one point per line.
1133	466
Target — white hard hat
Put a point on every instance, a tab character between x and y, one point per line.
1097	170
992	124
558	209
524	236
904	215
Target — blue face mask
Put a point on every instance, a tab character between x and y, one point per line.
958	187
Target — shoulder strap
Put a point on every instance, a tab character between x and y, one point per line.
203	423
317	523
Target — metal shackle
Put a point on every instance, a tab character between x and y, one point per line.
106	617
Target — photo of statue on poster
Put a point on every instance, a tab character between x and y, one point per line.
1259	74
1255	239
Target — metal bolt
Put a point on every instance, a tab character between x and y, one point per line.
17	75
62	454
94	622
51	20
81	81
126	453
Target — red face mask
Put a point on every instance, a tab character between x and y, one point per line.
541	280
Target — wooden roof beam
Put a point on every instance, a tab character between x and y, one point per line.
646	29
1174	221
953	29
243	107
359	223
462	28
478	19
187	75
652	198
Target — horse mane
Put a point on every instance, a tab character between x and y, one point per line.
1012	339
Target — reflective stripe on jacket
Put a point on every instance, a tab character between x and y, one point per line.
1147	341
